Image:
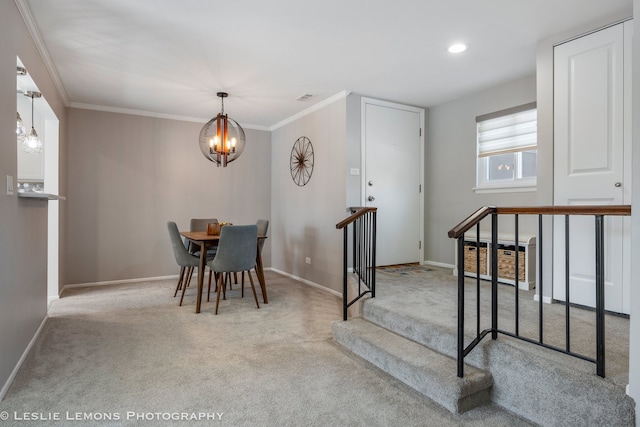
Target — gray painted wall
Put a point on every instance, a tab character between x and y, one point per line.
23	244
634	332
304	218
129	175
450	171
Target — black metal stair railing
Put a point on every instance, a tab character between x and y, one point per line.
363	226
598	212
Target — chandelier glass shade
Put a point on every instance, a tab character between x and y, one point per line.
21	132
222	139
31	143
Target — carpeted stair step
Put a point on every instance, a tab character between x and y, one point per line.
541	385
425	370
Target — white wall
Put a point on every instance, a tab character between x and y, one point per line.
23	229
450	171
129	175
304	218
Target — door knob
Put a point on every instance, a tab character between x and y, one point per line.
370	183
371	198
618	184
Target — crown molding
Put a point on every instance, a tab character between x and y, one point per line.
132	112
316	107
27	17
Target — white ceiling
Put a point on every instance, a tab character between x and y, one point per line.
170	57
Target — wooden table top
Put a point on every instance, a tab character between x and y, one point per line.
203	236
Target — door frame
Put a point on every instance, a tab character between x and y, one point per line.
363	153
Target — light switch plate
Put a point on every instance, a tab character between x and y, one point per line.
9	185
355	171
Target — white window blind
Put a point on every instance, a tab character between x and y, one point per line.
508	131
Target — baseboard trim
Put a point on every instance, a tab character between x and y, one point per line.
117	282
306	282
546	300
439	264
9	381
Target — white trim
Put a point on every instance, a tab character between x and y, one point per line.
132	112
117	282
25	353
439	264
487	190
307	282
51	299
316	107
546	300
27	17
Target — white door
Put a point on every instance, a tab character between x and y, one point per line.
392	146
591	143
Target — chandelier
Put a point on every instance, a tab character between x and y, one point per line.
222	139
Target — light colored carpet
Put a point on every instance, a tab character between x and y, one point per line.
124	351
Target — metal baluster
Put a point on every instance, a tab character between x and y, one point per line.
600	295
461	306
478	279
344	274
517	278
494	276
373	254
566	284
540	294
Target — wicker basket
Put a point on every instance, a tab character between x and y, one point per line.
507	263
470	258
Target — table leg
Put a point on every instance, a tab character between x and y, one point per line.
260	274
203	262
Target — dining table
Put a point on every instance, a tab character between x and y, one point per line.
204	241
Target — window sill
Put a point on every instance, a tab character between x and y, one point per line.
488	190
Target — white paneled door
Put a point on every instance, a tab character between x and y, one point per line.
392	146
592	146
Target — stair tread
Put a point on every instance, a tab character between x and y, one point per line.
429	372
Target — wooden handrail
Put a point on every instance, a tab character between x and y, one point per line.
470	221
480	214
357	212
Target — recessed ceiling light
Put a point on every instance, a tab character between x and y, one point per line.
457	48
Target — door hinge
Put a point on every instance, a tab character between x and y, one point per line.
419	244
419	188
420	132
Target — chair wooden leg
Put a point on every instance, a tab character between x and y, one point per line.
179	281
209	287
184	285
253	288
242	285
235	276
220	284
189	274
228	277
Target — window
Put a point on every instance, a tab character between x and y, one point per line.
507	149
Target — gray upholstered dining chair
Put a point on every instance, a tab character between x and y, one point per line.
185	260
263	227
237	250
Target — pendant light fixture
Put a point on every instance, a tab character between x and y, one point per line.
222	139
32	143
21	132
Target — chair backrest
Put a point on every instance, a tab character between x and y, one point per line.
179	251
200	224
263	227
237	248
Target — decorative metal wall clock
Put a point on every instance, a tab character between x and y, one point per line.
301	161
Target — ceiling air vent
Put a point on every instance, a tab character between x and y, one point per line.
304	97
